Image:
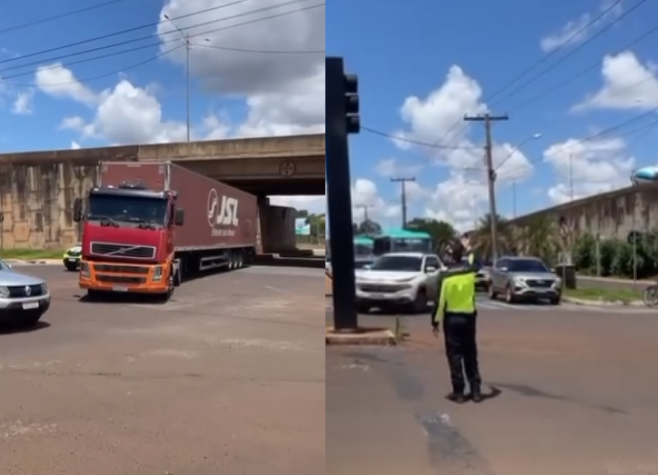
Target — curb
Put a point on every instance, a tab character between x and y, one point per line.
361	336
602	303
49	262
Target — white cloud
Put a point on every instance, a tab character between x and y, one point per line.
627	84
390	167
366	194
593	167
23	103
75	145
439	118
284	92
312	204
58	81
72	123
578	30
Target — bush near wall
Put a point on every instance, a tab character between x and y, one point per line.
617	257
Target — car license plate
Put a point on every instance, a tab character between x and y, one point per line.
70	259
120	289
30	305
376	296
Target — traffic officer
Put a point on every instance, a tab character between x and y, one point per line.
456	310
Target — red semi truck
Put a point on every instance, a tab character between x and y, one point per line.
148	224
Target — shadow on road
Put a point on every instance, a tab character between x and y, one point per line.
12	328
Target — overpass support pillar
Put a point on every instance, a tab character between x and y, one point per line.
276	229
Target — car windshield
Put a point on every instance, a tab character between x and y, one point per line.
527	265
128	208
398	263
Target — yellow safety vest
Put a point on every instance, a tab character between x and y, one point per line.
457	295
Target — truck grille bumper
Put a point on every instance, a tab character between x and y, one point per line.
122	250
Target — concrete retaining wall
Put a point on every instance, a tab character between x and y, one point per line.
37	202
612	215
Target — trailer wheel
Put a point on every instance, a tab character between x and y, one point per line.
239	258
231	260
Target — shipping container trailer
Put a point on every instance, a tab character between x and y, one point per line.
149	224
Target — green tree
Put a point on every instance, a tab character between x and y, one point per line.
584	254
482	236
441	231
539	238
369	227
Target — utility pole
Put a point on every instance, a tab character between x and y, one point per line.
365	211
403	196
571	176
514	199
186	41
491	172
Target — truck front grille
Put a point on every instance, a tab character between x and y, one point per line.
120	279
122	250
119	269
20	291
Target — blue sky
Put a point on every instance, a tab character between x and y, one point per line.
400	52
257	69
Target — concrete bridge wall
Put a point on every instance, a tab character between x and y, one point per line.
37	200
612	215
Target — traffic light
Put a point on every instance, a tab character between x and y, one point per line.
353	120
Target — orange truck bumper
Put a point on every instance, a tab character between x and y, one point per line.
117	277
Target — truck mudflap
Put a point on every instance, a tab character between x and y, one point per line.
118	277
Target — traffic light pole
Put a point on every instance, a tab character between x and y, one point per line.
341	119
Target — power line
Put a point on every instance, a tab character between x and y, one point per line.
59	16
552	66
589	68
144	38
137	48
260	51
553	52
416	142
536	64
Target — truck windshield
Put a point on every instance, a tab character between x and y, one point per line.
128	209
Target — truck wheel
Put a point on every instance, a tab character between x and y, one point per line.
239	258
93	295
177	276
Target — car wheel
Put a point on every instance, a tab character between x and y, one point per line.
555	300
509	296
71	267
362	308
420	304
31	320
492	292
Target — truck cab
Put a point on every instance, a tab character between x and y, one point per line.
128	239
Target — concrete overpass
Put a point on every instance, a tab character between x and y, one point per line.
37	188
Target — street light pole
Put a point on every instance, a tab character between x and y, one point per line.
403	198
514	199
186	40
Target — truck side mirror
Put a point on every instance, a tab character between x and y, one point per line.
179	217
77	210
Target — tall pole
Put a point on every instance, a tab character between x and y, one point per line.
570	177
491	173
514	199
403	195
365	211
187	84
186	40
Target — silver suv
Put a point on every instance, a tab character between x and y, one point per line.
524	278
23	298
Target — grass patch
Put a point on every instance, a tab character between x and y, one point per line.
31	254
604	294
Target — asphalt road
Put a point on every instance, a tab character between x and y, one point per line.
577	392
227	378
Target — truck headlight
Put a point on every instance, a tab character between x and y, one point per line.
157	274
4	292
84	269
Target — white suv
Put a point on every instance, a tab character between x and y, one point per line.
406	279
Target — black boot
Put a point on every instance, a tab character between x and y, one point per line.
457	397
476	395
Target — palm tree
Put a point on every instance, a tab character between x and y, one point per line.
540	238
482	238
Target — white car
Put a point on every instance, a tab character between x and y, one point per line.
406	279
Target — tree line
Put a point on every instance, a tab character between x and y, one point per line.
634	256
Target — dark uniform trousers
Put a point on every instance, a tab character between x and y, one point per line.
459	331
